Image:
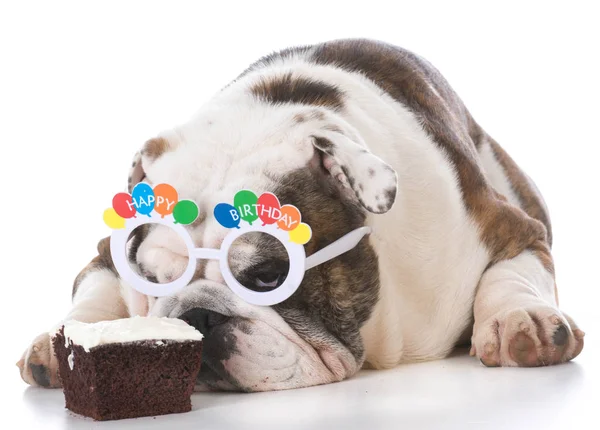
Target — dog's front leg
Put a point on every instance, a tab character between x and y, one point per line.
517	320
96	297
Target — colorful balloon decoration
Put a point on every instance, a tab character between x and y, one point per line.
143	198
247	207
246	204
268	207
290	218
113	220
227	215
185	212
301	234
165	199
123	205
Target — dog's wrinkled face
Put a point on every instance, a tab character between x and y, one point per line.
309	158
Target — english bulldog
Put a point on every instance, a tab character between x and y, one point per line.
353	133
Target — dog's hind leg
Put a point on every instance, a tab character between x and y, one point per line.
517	319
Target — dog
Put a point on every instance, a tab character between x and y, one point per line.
353	133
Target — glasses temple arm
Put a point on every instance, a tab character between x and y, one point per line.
337	248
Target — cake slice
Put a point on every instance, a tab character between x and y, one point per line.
128	368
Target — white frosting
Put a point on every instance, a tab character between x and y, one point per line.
70	360
129	330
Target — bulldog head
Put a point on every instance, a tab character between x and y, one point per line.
308	156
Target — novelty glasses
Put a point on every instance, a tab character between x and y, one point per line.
281	222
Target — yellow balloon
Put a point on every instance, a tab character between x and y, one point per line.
301	234
113	220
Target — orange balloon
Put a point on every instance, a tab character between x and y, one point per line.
165	199
290	218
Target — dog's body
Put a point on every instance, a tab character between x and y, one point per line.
353	133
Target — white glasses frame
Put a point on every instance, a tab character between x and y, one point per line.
298	262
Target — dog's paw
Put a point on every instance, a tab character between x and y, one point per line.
38	365
161	265
535	336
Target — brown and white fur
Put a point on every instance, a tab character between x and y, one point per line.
353	132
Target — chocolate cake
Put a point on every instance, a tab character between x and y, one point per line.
128	368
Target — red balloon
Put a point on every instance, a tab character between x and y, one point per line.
268	207
123	205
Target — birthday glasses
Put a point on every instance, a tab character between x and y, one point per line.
298	262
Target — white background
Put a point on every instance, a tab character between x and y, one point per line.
84	84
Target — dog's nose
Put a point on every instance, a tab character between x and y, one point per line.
203	319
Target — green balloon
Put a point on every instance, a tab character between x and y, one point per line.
245	202
185	212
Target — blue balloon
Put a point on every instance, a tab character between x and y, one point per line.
143	198
227	215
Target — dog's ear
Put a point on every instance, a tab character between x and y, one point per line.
136	173
345	156
152	150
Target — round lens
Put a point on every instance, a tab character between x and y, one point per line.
158	252
150	258
258	261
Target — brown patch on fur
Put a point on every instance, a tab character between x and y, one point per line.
288	88
299	118
340	294
505	229
156	147
102	261
317	115
529	197
334	128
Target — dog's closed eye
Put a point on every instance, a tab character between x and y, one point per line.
269	280
265	276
